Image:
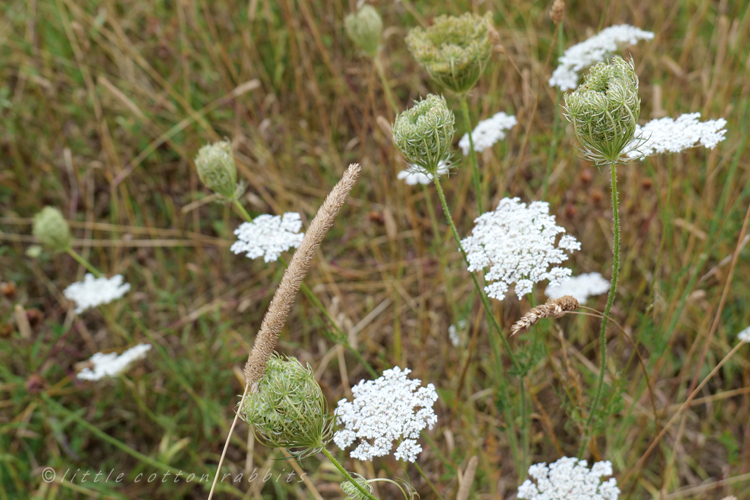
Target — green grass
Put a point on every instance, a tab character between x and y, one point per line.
103	105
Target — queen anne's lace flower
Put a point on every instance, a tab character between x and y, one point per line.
569	479
417	175
488	132
581	287
595	49
667	135
268	236
391	408
517	243
744	335
111	365
92	292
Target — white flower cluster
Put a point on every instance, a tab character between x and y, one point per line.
111	365
385	410
744	335
581	287
595	49
268	236
488	132
416	175
569	479
92	292
517	243
667	135
455	332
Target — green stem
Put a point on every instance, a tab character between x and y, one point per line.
384	83
605	318
475	167
347	475
79	258
242	210
432	486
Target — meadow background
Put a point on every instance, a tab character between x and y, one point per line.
103	106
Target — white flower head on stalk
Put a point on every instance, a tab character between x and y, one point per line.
388	409
744	335
488	132
667	135
268	236
595	49
581	287
417	175
92	292
518	245
569	479
112	364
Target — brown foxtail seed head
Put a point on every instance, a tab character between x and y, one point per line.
557	11
553	308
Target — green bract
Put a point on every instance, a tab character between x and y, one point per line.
288	410
364	29
604	111
217	170
352	492
424	133
454	50
51	228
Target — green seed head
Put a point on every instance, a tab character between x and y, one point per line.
364	29
604	111
217	170
51	228
424	133
352	492
288	410
454	50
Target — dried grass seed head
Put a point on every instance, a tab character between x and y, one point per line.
217	169
365	28
51	228
604	111
424	133
288	409
454	50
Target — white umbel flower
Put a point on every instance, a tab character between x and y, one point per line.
744	335
488	132
517	243
417	175
667	135
111	365
569	479
390	408
581	287
268	235
92	292
595	49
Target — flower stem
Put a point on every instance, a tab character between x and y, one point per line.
434	490
79	258
475	167
608	307
347	475
242	210
384	83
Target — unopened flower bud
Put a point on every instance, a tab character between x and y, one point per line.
51	228
288	409
424	133
364	29
454	50
604	111
217	169
354	493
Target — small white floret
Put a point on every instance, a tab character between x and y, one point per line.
667	135
488	132
417	175
744	335
518	245
268	236
111	365
595	49
92	292
581	287
569	479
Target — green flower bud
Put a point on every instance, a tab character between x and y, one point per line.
51	228
288	410
217	170
364	29
352	492
424	133
454	50
604	111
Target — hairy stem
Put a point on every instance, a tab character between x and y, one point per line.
432	486
79	258
242	210
608	307
347	475
475	167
